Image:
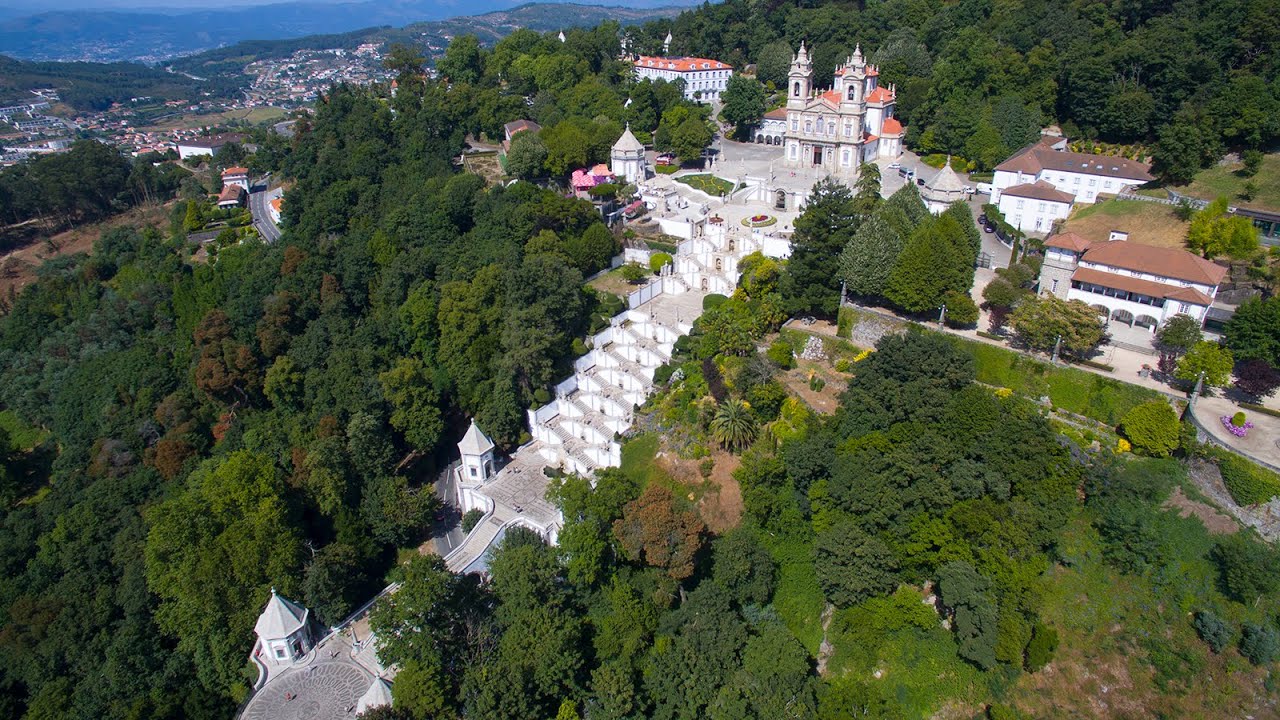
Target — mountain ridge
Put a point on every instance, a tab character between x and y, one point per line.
149	36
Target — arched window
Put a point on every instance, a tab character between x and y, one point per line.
795	91
853	92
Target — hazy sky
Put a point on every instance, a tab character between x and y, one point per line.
39	6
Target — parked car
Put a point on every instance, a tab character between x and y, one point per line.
665	159
895	166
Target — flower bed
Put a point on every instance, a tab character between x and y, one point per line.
1237	430
759	221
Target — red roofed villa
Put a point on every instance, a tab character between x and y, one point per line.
1128	282
704	79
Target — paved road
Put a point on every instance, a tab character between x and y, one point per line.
447	539
258	200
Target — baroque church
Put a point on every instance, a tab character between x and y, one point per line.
841	128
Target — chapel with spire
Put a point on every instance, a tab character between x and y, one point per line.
841	128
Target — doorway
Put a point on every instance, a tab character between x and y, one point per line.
817	156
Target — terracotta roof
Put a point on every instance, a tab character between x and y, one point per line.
230	193
832	97
680	64
1036	157
1165	262
1039	190
1140	286
235	171
777	114
880	95
1068	241
516	126
277	203
891	126
872	71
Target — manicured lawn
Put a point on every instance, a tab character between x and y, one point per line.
638	458
1227	180
1146	222
1077	391
707	183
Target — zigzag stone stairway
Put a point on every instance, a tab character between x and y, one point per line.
578	431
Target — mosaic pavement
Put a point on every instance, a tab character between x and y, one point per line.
322	691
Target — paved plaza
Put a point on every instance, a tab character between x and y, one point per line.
324	690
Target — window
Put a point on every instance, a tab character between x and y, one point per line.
1019	203
1075	180
1184	308
831	128
1093	182
1107	184
279	653
808	126
1055	285
1042	206
795	125
473	472
846	157
848	129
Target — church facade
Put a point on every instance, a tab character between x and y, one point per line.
845	126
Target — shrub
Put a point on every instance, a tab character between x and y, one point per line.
657	260
844	322
1238	419
579	347
1152	428
1259	643
780	354
1213	630
713	301
961	310
1249	484
663	373
1044	641
542	396
842	365
706	467
816	383
471	518
1123	446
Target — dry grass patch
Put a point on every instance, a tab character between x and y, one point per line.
1217	523
717	497
1146	222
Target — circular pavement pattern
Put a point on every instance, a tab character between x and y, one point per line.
319	692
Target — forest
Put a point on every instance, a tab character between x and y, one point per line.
179	436
95	86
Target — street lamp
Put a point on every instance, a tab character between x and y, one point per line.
1056	346
942	316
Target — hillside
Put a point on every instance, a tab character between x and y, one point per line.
94	86
153	35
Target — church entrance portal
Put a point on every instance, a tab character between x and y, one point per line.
817	156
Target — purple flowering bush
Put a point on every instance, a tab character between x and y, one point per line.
1237	430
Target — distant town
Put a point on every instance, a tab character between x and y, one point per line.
41	125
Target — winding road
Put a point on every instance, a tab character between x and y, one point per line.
258	206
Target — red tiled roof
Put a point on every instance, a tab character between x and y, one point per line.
777	114
872	71
891	126
230	193
1140	286
681	64
277	203
1036	157
832	97
1039	190
235	171
880	95
1068	241
1165	262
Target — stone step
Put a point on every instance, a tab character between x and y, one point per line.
634	369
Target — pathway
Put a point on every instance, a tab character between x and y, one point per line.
1261	444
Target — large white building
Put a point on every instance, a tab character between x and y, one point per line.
841	128
1034	206
704	79
1129	282
1081	175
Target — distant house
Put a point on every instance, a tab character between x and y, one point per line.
1033	207
1138	285
210	145
1082	175
236	176
231	196
274	207
511	129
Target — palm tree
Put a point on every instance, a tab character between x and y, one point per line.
734	426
